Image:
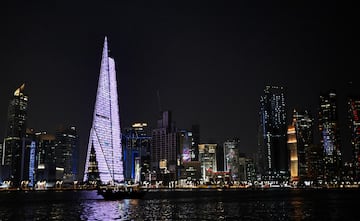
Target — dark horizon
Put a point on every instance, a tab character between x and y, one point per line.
209	61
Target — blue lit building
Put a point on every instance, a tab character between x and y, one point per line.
13	149
136	143
330	136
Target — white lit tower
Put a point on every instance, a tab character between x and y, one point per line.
105	130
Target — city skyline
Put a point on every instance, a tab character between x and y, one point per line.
209	64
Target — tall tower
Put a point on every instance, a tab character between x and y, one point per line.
304	138
330	136
13	148
274	153
66	149
105	130
354	117
164	145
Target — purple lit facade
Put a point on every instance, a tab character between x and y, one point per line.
105	130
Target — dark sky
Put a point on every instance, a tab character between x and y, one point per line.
210	60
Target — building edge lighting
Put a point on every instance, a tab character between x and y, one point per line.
105	131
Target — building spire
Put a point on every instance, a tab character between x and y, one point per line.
19	90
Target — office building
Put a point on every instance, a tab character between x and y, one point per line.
13	149
231	158
207	158
67	154
45	158
136	143
330	136
164	146
273	149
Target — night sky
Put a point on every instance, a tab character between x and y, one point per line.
209	60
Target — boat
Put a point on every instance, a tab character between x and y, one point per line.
118	192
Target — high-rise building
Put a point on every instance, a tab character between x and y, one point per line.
66	154
293	149
330	136
231	158
354	117
105	135
164	147
13	146
207	158
273	150
303	124
45	158
136	143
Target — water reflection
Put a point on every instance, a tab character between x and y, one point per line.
254	206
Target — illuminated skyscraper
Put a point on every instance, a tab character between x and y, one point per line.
136	143
231	157
293	149
330	136
273	151
354	116
164	145
13	146
304	139
207	158
66	149
105	130
46	158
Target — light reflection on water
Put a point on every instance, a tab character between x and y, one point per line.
237	207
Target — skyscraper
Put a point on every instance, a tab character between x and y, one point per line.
293	149
66	148
330	136
207	158
13	147
136	149
46	158
231	157
354	117
105	130
274	153
164	147
304	138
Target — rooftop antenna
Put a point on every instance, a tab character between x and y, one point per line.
159	101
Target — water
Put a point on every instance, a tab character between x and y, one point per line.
240	205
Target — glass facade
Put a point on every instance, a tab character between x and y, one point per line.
231	158
207	158
105	131
67	153
136	143
273	150
330	136
13	151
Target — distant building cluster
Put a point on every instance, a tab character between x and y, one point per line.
290	153
287	153
36	159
